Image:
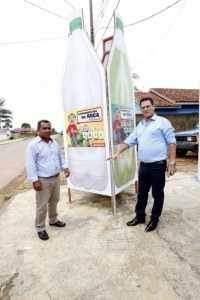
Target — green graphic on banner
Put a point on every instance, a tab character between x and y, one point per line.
121	92
122	121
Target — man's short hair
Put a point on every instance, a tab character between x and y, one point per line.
40	122
145	99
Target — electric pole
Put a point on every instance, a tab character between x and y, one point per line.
91	23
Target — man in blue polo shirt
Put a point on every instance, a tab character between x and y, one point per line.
44	162
156	142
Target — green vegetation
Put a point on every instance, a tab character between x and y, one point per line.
26	125
5	115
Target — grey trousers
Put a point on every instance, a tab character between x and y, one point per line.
47	199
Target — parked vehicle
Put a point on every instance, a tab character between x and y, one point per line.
187	141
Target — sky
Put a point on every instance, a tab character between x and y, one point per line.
163	49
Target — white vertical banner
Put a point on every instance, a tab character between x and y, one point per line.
85	113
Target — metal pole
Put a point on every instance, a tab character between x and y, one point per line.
113	198
91	23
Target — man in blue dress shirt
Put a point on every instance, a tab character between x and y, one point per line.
44	161
156	142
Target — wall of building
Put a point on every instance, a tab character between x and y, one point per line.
180	122
17	135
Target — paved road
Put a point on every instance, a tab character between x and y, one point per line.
12	160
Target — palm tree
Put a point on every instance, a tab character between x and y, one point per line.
5	114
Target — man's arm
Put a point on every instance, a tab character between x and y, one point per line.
171	165
172	152
31	168
117	154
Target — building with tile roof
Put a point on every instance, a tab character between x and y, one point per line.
180	106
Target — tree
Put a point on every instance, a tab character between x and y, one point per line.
5	114
53	131
26	125
7	124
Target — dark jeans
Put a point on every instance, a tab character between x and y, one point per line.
152	175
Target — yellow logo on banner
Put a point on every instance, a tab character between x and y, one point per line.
85	128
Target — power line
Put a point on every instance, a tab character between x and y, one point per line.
50	12
69	4
48	39
98	21
163	36
33	41
98	13
159	12
108	25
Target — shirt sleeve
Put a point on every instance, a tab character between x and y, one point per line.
63	163
169	133
132	139
31	169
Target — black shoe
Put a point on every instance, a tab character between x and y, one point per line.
58	224
135	221
151	226
43	235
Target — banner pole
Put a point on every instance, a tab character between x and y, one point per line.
113	198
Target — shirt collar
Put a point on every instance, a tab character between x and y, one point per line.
38	138
153	118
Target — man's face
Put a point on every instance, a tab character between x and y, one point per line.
45	131
147	109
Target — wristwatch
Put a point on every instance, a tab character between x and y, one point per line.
172	163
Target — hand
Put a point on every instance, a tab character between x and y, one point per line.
37	185
171	169
115	156
66	172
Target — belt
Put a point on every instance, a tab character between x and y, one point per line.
154	163
54	176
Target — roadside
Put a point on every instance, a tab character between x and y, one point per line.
7	141
19	183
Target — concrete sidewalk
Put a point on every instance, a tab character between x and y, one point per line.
90	260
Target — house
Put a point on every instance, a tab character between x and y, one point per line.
180	106
23	132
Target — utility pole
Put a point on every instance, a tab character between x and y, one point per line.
91	23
